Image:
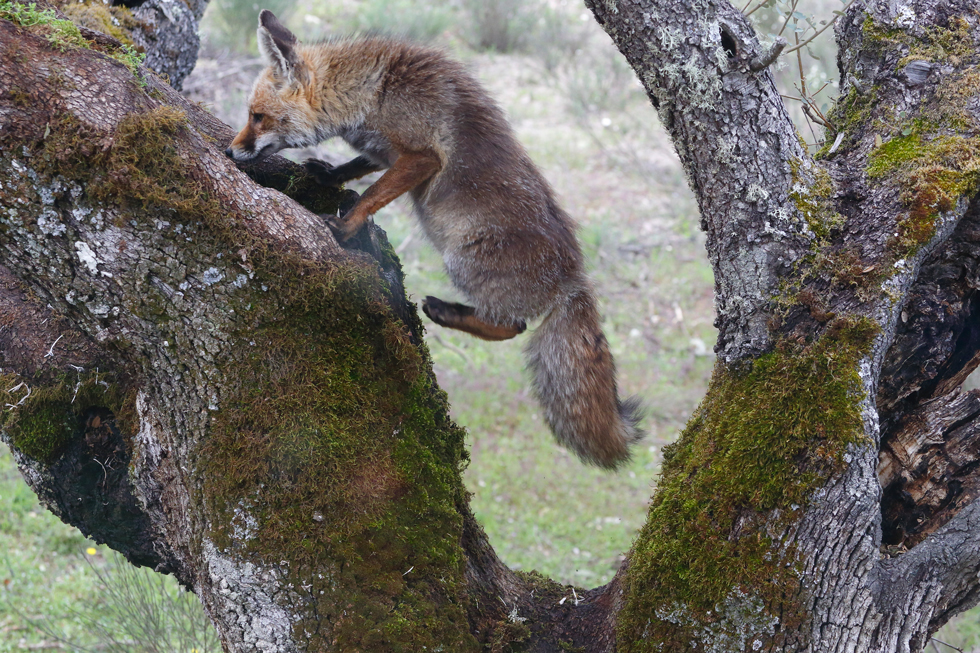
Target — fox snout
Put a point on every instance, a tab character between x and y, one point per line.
242	148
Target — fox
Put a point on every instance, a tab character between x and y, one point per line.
506	244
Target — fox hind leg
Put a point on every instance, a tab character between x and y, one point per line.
463	318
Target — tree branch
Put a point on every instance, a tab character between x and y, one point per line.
735	141
937	578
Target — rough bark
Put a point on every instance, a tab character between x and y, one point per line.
196	373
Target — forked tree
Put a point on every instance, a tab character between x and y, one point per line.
194	372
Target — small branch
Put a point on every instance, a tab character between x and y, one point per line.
853	81
754	9
815	118
765	59
819	31
935	641
789	17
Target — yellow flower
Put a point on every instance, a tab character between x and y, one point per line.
91	551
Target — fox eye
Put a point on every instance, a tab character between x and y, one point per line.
257	117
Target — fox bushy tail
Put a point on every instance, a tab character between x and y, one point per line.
574	378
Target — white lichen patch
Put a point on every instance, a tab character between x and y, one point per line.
50	224
212	276
905	17
756	193
87	256
740	621
244	524
245	603
703	85
725	152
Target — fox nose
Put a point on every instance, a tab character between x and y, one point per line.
229	153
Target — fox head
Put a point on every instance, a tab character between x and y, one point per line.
279	111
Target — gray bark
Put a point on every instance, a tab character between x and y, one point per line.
144	293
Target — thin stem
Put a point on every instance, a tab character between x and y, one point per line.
818	32
789	16
799	61
754	9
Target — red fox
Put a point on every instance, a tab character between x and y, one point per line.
505	242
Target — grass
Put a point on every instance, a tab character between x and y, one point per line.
59	590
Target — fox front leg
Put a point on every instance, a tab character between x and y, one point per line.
330	175
410	170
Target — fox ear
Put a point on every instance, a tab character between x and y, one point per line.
278	47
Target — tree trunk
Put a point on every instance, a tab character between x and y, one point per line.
197	374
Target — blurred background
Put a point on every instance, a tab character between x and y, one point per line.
586	121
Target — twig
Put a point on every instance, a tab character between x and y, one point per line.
815	118
51	350
853	81
934	640
766	58
401	247
819	31
799	61
754	9
453	348
789	17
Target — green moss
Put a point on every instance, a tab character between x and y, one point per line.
764	439
45	424
933	171
20	97
332	447
26	15
509	636
343	454
141	171
118	22
812	192
849	114
61	33
64	34
942	44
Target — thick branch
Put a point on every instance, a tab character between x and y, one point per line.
735	141
290	456
937	578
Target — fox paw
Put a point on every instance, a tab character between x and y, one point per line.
322	171
341	227
444	313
